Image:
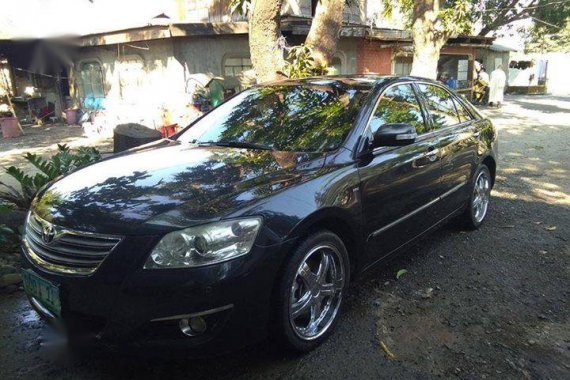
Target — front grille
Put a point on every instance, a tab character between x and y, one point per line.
62	250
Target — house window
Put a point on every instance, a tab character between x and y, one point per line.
91	80
234	66
403	66
456	68
336	66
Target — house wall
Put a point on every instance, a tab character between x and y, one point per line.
206	54
376	57
373	57
138	96
492	58
347	52
459	50
157	91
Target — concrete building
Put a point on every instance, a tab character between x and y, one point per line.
148	74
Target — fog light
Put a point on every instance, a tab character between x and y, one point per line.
198	324
193	326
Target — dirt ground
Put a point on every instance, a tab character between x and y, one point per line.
43	140
493	303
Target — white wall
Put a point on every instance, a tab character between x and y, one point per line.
557	78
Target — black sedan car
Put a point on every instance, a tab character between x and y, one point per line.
257	216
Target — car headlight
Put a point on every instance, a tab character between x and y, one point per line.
204	245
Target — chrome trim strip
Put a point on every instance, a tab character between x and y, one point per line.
62	231
408	242
420	209
403	218
72	252
42	309
452	190
199	314
406	136
54	268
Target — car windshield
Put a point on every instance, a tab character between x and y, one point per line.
307	117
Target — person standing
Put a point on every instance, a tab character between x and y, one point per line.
481	85
497	86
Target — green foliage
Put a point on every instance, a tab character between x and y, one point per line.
8	237
541	40
241	7
453	16
404	6
456	16
551	30
301	64
64	161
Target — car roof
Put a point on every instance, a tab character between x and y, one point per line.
347	81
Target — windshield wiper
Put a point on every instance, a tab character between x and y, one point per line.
236	144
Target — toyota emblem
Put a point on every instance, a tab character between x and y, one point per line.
48	233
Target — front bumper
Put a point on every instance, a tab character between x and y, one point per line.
122	304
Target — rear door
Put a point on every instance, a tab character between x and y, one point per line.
456	139
398	184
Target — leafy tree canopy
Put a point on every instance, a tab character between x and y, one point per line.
452	16
551	29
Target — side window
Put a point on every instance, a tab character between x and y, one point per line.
398	105
440	105
464	114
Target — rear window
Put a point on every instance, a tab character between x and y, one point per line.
311	116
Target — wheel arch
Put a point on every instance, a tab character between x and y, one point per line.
339	222
490	162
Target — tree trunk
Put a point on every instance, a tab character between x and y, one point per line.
325	30
427	40
264	32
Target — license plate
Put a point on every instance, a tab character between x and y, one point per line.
42	290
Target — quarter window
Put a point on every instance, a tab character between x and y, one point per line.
398	105
440	105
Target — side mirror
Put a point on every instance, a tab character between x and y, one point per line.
394	134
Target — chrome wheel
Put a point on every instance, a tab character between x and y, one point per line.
316	292
481	196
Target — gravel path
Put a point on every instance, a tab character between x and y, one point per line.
493	303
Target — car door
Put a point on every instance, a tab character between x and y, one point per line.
456	139
398	184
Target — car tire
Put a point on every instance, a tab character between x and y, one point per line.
310	291
479	199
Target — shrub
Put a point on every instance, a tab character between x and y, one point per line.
300	63
64	161
8	237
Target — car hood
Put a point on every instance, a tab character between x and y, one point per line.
169	184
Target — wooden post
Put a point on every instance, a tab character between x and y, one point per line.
7	90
